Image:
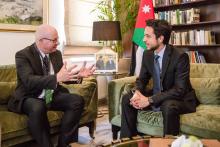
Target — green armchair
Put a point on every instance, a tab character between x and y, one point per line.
204	123
13	126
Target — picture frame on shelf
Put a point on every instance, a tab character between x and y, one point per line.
23	15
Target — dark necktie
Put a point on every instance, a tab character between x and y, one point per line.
156	75
46	69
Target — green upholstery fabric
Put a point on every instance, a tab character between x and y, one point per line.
7	82
6	89
114	94
13	122
150	122
205	122
14	126
86	90
8	73
204	70
207	90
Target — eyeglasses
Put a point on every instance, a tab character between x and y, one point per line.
52	40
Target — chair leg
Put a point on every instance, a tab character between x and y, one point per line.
91	126
115	130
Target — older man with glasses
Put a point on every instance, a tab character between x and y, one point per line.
40	69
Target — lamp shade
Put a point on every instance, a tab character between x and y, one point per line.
106	30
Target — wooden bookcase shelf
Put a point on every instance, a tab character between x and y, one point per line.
198	46
193	4
199	24
209	20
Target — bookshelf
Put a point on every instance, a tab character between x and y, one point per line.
189	4
209	20
198	24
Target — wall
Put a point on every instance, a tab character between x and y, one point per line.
11	42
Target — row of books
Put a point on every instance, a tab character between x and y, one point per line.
196	57
169	2
193	37
178	16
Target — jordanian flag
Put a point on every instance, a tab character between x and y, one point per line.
146	11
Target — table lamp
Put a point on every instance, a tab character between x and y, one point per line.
106	31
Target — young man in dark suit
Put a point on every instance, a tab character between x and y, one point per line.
172	92
40	69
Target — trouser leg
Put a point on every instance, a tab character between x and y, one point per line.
37	121
72	105
171	110
115	130
129	118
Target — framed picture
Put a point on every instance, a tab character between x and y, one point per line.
106	62
22	15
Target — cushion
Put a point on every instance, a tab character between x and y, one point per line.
6	88
203	123
86	90
207	90
8	73
16	123
208	70
149	122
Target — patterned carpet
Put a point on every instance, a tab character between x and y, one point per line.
103	134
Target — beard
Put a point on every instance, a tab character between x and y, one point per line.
153	48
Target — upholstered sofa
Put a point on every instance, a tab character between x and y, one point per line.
204	123
14	126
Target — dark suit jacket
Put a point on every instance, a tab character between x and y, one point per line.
30	78
174	77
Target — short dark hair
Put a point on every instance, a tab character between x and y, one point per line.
160	27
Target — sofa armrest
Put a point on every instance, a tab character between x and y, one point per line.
115	88
87	89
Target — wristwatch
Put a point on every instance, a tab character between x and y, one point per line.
150	100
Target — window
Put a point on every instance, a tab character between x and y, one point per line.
78	22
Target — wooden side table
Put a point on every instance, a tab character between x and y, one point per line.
162	142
